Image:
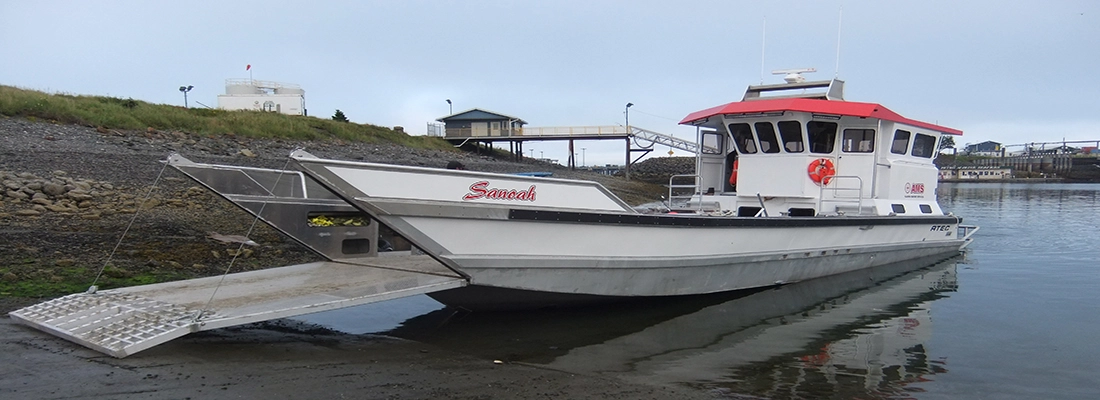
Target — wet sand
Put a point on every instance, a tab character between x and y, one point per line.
286	360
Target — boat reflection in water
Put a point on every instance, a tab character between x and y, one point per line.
856	334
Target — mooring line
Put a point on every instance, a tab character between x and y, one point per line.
93	288
240	248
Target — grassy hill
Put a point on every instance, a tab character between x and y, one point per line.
130	114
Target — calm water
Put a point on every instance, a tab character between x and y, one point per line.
1017	317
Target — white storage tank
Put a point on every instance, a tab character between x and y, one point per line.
289	90
242	88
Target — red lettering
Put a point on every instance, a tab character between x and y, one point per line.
477	191
481	190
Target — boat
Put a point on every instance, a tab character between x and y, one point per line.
823	186
791	184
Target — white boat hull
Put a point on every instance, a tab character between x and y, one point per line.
571	249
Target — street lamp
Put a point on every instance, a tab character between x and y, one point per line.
450	109
628	105
583	164
184	90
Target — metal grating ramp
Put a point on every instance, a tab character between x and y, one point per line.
117	324
124	321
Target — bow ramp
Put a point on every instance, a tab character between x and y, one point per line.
121	322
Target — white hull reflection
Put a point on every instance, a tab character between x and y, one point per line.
869	325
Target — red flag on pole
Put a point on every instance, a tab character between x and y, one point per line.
248	67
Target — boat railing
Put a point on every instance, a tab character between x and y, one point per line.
842	192
680	192
966	232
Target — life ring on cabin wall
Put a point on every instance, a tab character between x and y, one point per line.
821	171
733	173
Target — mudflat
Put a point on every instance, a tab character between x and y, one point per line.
286	360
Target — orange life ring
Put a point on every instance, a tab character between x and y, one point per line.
821	171
733	173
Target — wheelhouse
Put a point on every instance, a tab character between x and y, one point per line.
814	154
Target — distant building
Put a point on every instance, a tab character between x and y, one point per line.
987	148
481	123
975	173
247	94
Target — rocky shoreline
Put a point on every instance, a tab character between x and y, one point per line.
68	192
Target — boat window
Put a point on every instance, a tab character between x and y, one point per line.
791	133
742	137
924	145
901	142
822	136
766	132
712	143
924	208
898	208
858	141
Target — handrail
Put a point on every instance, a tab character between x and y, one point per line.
837	199
694	186
967	231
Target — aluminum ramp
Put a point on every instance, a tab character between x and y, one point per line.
121	322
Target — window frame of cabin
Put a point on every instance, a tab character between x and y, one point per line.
903	141
813	136
739	141
865	135
714	137
786	136
767	137
924	146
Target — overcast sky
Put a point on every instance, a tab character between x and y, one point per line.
1011	72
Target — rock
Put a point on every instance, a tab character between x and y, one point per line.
53	189
85	204
90	216
78	195
28	213
59	173
174	264
247	153
41	201
150	203
16	195
57	208
9	277
65	262
35	186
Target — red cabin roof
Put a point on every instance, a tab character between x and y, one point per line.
834	107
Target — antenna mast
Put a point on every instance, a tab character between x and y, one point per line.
763	37
839	22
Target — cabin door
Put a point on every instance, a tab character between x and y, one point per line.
856	159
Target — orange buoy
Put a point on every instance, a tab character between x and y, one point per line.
733	173
821	171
